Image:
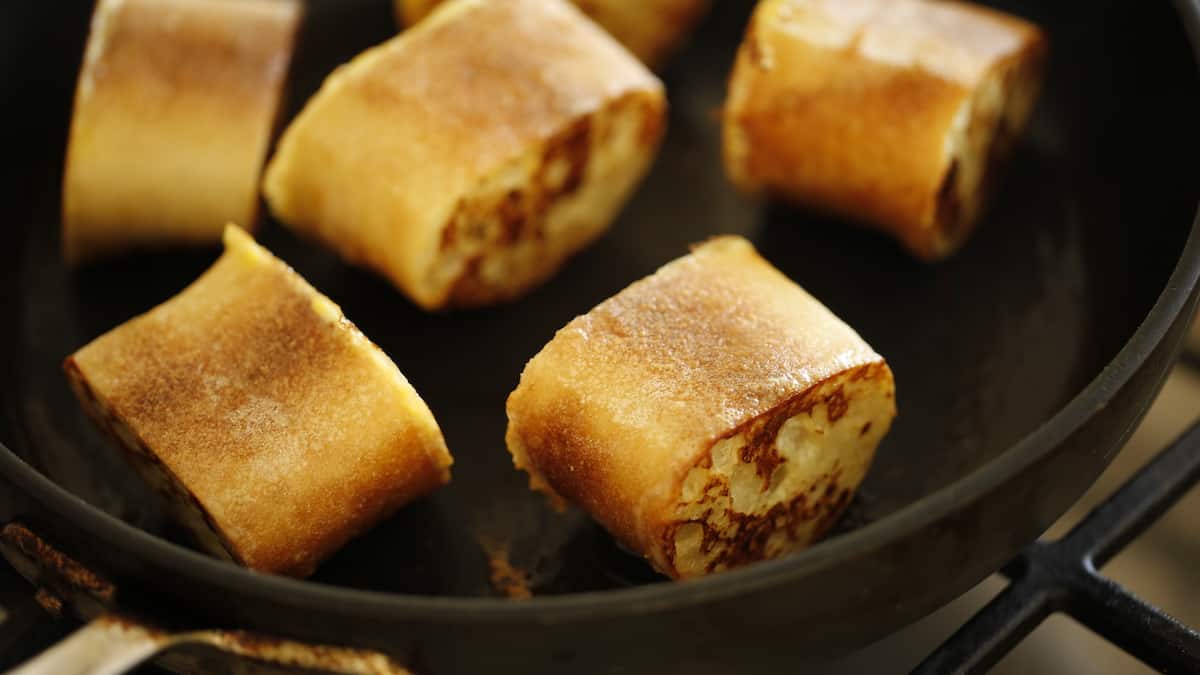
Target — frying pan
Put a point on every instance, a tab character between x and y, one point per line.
1022	366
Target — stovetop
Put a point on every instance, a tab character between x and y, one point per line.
1052	612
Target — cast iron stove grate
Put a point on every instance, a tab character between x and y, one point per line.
1062	576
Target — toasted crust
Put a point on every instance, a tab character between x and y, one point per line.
409	12
617	410
174	109
650	29
263	413
451	128
897	114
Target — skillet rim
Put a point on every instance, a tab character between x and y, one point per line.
596	605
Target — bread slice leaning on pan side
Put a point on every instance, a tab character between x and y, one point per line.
710	415
469	157
174	112
896	113
274	429
651	29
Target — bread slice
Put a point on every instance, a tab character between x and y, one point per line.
275	430
898	114
650	29
469	157
174	110
710	415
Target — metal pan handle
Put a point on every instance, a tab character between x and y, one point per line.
112	644
106	646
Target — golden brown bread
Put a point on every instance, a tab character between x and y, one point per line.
276	430
895	113
709	415
174	110
469	157
650	29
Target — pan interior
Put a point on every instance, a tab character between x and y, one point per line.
985	347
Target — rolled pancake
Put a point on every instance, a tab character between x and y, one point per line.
174	111
710	415
275	430
468	158
899	114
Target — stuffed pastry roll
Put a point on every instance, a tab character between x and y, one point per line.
275	429
174	111
710	415
468	158
896	113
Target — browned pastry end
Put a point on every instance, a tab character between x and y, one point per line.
174	110
275	430
650	29
896	113
710	415
469	157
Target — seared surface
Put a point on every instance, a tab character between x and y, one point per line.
174	109
651	29
626	399
897	114
457	112
291	430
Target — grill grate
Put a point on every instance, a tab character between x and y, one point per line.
1061	576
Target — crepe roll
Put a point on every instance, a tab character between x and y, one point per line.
174	111
275	430
468	158
896	113
710	415
650	29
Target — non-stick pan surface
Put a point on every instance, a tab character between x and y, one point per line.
988	350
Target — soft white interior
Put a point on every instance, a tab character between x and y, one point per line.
983	133
499	261
815	456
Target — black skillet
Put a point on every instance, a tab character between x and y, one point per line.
1022	365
